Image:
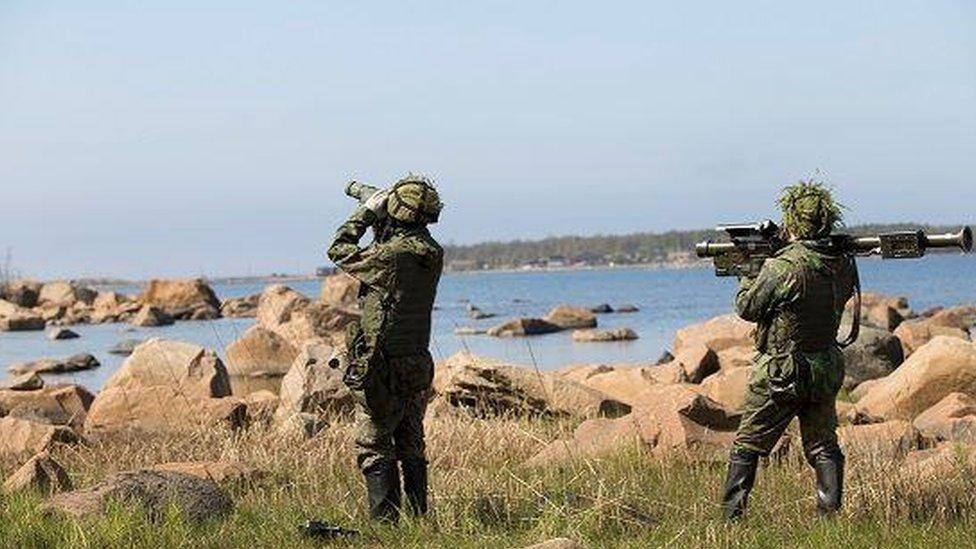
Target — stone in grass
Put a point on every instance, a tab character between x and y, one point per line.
198	499
59	334
40	473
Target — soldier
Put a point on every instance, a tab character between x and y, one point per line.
390	367
797	302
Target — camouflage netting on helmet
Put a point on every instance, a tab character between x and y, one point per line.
809	210
414	199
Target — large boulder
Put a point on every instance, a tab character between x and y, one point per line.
888	439
942	366
113	307
486	387
876	353
616	334
56	405
915	333
23	293
339	290
295	318
312	387
277	304
728	387
571	318
41	473
182	299
65	294
626	383
718	334
677	421
23	382
190	369
697	361
14	318
523	327
260	352
962	317
19	437
951	419
161	408
152	491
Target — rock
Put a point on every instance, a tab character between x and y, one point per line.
340	290
23	382
220	472
488	388
20	437
41	473
697	361
261	406
293	317
881	311
14	318
480	315
915	333
523	327
240	307
125	347
601	309
301	426
150	316
889	439
665	358
74	363
617	334
672	372
862	388
557	543
676	421
113	307
161	408
65	405
962	317
65	294
277	304
468	330
22	293
736	357
193	370
311	386
942	366
626	308
628	384
876	353
182	299
718	334
260	349
951	419
569	318
728	386
932	466
58	334
155	492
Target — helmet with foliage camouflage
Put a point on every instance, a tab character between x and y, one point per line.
809	210
413	199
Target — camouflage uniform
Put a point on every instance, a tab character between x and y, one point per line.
390	367
797	302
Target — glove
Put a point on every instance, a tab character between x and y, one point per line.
377	204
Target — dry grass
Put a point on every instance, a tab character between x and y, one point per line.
483	497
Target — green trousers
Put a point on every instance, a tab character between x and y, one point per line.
390	409
784	386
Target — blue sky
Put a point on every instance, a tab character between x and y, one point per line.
163	138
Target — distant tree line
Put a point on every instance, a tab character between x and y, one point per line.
627	249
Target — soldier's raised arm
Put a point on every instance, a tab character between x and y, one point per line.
371	265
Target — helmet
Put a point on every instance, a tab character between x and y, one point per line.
413	199
809	210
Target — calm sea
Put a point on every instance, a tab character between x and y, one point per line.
668	299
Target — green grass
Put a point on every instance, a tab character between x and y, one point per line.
483	498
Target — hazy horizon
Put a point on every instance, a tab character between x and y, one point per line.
141	140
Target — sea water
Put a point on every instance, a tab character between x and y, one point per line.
668	299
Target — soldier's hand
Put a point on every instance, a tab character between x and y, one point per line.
377	204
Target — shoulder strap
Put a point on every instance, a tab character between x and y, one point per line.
856	320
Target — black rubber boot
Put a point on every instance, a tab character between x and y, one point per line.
738	484
829	467
415	485
383	491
